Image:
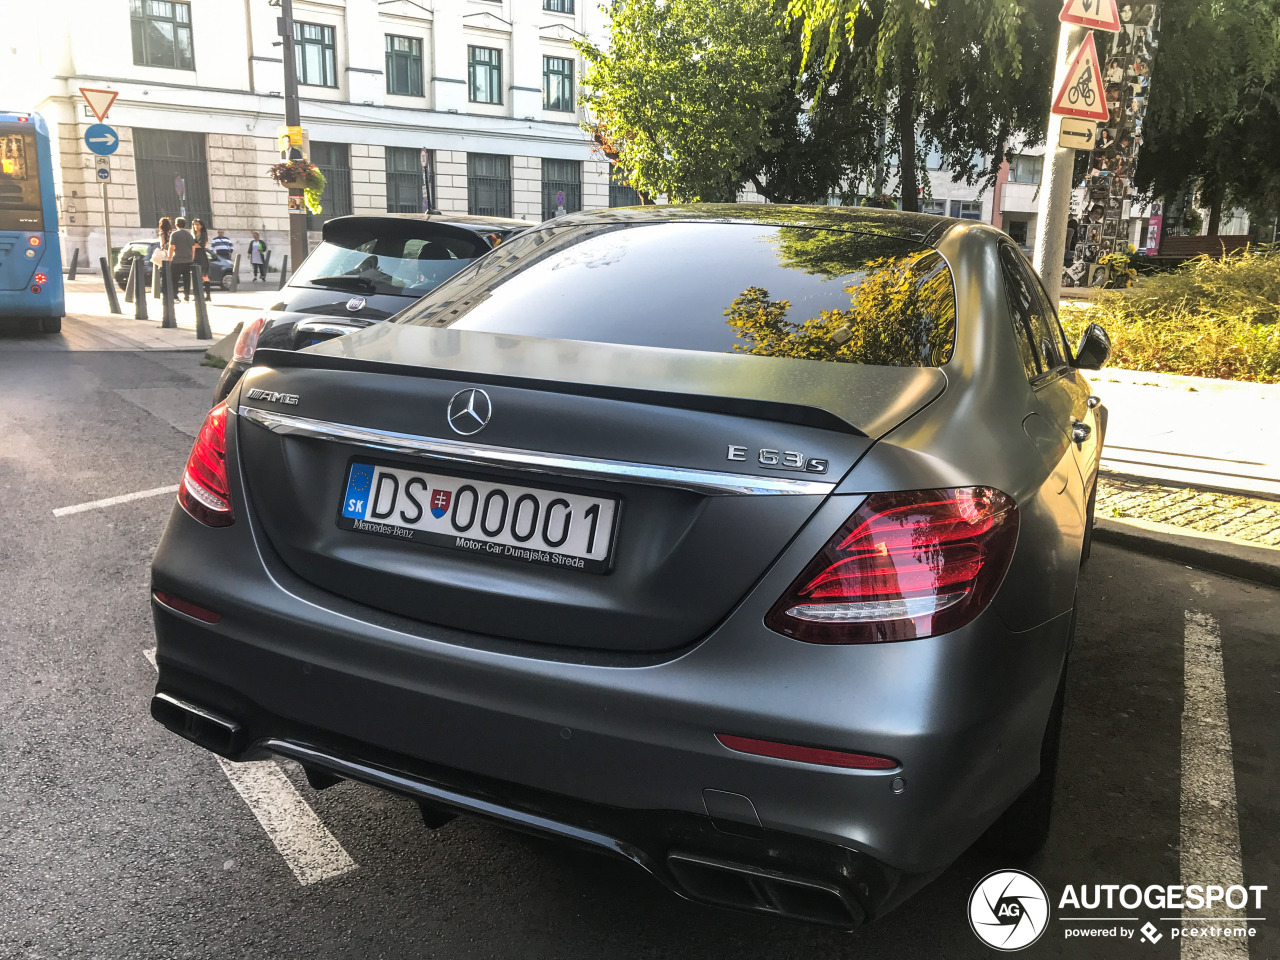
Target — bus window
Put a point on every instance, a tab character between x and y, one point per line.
20	206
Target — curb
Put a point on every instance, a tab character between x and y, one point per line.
1202	550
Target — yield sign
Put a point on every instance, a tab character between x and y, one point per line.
1098	14
99	101
1082	94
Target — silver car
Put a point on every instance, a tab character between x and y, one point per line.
738	541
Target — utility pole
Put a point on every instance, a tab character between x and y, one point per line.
292	118
1055	182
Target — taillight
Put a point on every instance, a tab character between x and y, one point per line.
247	342
904	566
205	492
41	278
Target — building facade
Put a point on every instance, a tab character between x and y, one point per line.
462	105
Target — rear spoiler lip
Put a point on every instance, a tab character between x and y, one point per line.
776	410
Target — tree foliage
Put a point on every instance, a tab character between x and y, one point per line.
969	75
687	92
1213	120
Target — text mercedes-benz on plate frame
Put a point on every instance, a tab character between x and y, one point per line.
501	519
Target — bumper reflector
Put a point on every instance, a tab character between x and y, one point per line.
186	606
790	751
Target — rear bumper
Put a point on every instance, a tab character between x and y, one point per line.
623	746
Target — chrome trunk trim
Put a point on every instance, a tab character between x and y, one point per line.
710	482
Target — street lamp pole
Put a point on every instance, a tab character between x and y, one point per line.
292	118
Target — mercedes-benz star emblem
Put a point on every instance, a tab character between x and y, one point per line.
469	411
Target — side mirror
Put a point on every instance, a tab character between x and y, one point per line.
1094	349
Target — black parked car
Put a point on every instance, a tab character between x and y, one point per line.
366	269
220	274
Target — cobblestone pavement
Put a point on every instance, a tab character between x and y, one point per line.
1222	514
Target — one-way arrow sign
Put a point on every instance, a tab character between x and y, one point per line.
101	139
1078	134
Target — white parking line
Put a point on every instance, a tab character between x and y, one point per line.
112	501
1210	841
310	850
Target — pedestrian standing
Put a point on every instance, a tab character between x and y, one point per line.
159	255
200	254
258	256
221	245
182	253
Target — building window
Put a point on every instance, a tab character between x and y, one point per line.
621	195
404	180
967	209
313	52
334	163
1017	230
161	34
1025	169
936	207
558	6
173	177
561	187
404	66
488	185
484	74
557	84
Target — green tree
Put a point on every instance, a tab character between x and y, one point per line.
968	75
687	90
1213	121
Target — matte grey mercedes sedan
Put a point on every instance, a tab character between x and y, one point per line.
738	541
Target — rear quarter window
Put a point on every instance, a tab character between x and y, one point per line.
800	292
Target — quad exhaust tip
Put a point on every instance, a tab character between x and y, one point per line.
764	891
202	727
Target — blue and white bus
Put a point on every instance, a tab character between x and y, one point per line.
30	255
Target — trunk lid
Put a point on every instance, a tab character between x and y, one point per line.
649	430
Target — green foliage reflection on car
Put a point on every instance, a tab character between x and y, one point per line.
901	313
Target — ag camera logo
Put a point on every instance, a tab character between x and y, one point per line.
1008	910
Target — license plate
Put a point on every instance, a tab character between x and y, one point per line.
528	524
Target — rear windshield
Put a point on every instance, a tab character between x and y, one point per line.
400	257
799	292
20	203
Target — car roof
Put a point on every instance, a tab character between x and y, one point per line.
921	227
466	221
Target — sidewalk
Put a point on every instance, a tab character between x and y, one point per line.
90	326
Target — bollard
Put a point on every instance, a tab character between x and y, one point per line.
131	285
75	262
235	268
284	271
140	289
202	312
166	290
157	281
110	282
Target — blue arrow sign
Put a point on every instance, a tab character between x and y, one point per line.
101	139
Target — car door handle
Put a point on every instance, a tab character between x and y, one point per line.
1080	431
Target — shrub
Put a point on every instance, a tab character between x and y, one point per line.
1208	318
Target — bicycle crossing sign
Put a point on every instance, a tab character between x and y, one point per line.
1082	94
1095	14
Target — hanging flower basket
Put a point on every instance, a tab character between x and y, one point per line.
300	173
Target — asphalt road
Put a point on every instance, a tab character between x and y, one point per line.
120	840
